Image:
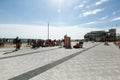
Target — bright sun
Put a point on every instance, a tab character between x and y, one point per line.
58	2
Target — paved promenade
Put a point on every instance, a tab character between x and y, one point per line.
94	61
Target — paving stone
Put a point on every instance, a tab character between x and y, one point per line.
98	63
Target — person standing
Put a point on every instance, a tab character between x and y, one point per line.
81	44
18	43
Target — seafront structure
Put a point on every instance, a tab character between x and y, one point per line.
101	35
67	42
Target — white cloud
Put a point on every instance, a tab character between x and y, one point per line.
100	2
79	6
103	18
38	31
92	23
24	31
116	19
92	12
97	3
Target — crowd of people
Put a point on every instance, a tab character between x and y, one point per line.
43	43
36	43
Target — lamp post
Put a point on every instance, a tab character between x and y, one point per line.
48	30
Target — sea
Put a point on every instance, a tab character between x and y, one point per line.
24	40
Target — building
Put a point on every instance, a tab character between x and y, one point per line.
101	35
112	34
118	36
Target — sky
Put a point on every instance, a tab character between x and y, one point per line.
30	18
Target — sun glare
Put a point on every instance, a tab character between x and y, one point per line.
57	2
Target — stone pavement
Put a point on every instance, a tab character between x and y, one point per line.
93	62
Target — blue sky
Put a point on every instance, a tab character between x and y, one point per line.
77	16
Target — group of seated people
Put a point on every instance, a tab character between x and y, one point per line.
78	45
43	43
118	43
